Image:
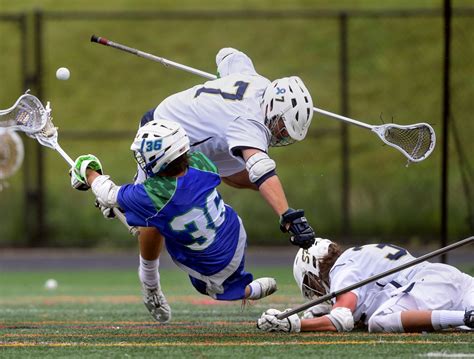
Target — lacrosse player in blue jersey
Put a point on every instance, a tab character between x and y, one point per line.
424	297
203	235
234	120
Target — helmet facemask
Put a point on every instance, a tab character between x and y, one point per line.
280	136
313	286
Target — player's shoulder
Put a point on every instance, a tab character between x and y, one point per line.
160	190
199	161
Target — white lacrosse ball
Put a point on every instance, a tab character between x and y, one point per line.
63	73
51	284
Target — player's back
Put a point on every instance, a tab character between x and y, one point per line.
207	111
200	231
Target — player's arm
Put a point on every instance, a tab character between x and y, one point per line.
87	173
261	170
339	319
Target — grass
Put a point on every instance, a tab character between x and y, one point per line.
99	314
394	70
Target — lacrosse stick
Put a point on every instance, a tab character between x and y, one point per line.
47	135
332	295
11	154
415	141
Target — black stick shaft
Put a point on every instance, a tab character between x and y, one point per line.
329	296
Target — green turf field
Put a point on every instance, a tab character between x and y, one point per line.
100	314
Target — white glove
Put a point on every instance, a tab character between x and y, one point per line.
317	311
268	322
107	212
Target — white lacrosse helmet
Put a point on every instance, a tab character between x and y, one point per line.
157	144
306	269
288	110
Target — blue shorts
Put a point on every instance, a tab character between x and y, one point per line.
234	286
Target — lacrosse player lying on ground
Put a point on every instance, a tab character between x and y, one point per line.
234	120
424	297
203	235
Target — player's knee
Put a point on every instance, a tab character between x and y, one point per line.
386	323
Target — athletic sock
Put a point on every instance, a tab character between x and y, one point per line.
255	290
443	319
148	272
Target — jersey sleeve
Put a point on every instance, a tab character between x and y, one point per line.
345	274
247	133
136	203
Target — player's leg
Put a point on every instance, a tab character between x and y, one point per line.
151	244
432	301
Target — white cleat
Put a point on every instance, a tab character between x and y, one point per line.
156	303
268	286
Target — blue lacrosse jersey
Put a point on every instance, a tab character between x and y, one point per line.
200	230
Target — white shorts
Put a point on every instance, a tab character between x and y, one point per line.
434	286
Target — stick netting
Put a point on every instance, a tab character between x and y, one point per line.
27	114
416	141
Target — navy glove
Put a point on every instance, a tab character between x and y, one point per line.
302	234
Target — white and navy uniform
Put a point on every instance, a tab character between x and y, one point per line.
223	116
430	286
203	235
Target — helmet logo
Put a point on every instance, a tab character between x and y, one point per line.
154	145
280	90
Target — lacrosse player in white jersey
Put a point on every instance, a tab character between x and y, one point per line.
424	297
234	120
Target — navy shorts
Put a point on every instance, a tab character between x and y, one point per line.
234	286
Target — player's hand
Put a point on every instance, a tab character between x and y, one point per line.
82	163
317	311
268	322
76	183
294	222
107	212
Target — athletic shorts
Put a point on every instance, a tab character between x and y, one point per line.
234	285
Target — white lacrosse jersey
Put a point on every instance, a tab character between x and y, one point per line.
222	116
359	263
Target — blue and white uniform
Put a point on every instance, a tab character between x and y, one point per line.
203	235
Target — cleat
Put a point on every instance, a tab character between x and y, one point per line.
268	285
469	318
156	303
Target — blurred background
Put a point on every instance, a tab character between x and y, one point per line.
371	60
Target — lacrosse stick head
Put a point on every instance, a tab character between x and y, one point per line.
416	141
27	115
11	153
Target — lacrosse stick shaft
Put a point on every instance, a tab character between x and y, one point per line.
332	295
165	62
133	230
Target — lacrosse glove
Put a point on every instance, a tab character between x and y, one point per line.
107	212
268	322
78	171
301	232
317	311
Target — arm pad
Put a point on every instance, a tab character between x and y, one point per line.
260	167
342	319
105	190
